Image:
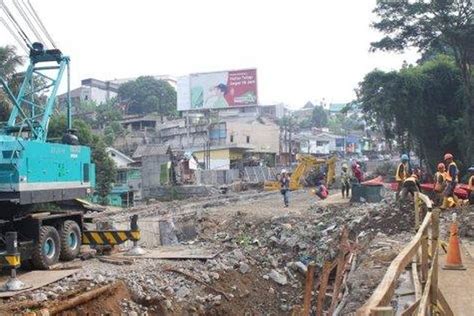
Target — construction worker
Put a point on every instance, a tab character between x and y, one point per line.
410	185
440	182
402	173
345	181
450	200
285	187
470	184
357	171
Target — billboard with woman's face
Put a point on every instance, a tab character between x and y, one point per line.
218	90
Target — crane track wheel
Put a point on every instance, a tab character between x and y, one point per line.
47	248
70	238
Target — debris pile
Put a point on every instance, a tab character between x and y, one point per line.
260	259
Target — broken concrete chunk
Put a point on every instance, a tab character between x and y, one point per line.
243	267
278	277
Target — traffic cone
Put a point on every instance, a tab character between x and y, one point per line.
454	261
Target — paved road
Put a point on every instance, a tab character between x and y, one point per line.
458	286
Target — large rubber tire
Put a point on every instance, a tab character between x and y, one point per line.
47	249
70	237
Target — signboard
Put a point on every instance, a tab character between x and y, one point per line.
218	90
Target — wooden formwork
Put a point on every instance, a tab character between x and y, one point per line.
329	283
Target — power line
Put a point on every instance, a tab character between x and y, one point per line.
16	25
14	35
40	23
25	17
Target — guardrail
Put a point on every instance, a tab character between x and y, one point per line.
428	297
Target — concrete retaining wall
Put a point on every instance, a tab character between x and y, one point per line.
226	177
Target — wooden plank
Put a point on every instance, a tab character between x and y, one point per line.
324	279
434	247
37	279
308	289
424	255
341	266
417	210
444	304
416	280
411	309
426	200
425	298
384	291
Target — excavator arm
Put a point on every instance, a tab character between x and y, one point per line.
306	163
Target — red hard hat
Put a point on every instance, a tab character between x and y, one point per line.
448	156
441	166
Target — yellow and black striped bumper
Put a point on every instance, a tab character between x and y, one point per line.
112	237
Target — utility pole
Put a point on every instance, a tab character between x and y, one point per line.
290	147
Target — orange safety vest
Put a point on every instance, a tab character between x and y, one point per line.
448	176
471	183
403	172
439	185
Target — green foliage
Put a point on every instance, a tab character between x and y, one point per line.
86	106
9	61
319	117
341	123
421	107
108	112
105	167
146	95
437	26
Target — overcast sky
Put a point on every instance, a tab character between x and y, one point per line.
303	49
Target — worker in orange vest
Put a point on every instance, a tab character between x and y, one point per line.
440	182
450	199
402	173
470	184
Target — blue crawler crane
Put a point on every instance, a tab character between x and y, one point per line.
34	171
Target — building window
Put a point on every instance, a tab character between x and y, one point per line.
231	138
248	139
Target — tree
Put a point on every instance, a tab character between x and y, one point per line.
437	25
319	117
105	167
9	61
146	95
107	113
341	123
419	106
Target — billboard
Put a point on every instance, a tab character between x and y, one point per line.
218	90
